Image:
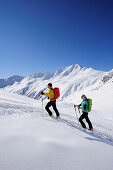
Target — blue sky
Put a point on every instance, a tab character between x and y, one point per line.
44	35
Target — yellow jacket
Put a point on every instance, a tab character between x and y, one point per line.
50	94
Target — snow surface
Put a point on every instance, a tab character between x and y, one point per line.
31	140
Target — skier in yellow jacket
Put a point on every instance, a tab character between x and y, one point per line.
52	102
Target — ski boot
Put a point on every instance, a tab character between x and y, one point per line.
58	117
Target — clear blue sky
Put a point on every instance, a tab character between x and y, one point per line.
44	35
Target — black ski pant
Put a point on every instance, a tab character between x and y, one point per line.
53	104
85	116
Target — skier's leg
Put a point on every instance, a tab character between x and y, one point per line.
81	120
55	108
88	121
47	108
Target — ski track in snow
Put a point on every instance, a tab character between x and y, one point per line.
72	125
67	120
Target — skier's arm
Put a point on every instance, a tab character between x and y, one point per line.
46	94
85	106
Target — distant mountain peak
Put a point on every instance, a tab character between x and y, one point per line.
43	76
67	70
10	81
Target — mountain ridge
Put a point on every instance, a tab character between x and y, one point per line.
10	81
70	79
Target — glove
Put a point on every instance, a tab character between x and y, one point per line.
42	92
78	107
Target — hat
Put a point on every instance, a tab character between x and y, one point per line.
50	84
83	96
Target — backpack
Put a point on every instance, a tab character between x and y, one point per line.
56	93
89	105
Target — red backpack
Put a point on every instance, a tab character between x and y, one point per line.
56	93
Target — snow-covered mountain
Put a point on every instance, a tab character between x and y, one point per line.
70	80
30	139
10	81
108	77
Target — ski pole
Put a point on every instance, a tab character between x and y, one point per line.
42	102
79	110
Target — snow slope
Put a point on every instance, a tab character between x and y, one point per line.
31	140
